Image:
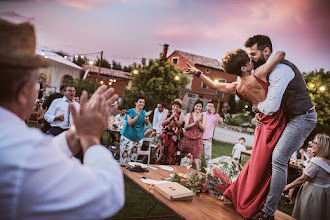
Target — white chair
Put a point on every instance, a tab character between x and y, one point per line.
147	143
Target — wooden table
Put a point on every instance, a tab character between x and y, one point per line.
206	207
112	133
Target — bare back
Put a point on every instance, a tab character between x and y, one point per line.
251	89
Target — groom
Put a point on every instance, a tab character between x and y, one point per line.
287	86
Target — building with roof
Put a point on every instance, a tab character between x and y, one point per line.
119	80
60	72
196	89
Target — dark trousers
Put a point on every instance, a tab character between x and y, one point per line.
56	131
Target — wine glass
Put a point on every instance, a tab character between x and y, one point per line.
188	165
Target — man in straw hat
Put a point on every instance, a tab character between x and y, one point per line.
39	177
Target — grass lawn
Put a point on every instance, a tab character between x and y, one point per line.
138	203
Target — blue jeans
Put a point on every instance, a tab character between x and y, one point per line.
294	134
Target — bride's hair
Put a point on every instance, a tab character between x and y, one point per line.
234	60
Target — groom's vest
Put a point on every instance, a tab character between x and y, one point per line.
296	99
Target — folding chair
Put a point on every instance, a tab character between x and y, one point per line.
146	148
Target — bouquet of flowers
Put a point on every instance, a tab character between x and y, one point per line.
223	171
194	182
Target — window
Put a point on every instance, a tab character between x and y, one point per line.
204	86
175	60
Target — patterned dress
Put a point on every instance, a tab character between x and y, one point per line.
169	141
193	138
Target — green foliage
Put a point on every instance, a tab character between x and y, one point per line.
79	60
194	182
104	63
315	80
156	82
237	119
85	84
62	53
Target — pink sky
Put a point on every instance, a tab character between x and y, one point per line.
127	30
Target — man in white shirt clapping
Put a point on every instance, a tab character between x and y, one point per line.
39	177
58	114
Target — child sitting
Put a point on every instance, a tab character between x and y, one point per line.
237	149
186	156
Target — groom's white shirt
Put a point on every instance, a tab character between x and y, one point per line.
279	79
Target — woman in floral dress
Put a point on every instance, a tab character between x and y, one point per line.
170	137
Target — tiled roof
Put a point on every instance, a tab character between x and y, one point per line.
108	72
200	60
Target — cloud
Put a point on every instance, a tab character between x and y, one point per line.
306	20
85	4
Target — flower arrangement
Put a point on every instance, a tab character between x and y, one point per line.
194	182
223	171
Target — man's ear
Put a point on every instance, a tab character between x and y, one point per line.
23	94
266	51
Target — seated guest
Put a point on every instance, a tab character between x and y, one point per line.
310	154
120	118
45	125
39	178
58	114
313	197
131	138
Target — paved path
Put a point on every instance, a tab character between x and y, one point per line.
226	135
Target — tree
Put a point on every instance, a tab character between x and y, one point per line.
79	60
104	63
116	66
318	85
85	84
156	82
62	53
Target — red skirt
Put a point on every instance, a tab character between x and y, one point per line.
249	192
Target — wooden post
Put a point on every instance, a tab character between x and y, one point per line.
100	63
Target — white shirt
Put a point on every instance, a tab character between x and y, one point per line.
58	107
157	120
238	149
41	180
279	79
120	120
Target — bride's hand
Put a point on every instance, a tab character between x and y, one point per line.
190	69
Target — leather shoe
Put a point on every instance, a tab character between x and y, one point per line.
262	216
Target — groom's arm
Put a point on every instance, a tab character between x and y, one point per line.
279	79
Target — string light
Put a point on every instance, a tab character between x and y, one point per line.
46	57
65	57
114	80
82	56
322	88
91	62
312	85
76	56
177	78
101	82
135	72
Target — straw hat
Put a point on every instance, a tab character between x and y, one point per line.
18	45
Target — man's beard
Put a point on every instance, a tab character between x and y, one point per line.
259	62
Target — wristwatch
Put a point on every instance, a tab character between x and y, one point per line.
198	74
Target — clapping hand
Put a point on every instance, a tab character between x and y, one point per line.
148	113
91	120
